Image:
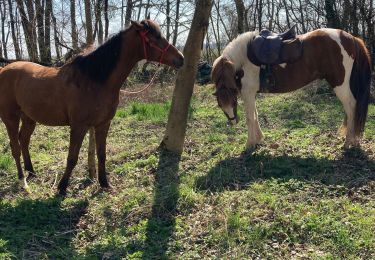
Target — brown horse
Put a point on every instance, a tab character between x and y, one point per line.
82	94
330	54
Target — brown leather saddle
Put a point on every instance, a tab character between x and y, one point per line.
268	49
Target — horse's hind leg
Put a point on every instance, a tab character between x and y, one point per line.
27	128
348	101
12	125
76	138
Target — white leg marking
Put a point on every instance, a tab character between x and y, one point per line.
250	86
344	93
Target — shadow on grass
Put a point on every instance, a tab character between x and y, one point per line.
353	169
161	224
35	229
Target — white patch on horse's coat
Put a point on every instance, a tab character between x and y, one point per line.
343	91
236	51
283	65
229	111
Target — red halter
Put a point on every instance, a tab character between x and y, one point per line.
145	40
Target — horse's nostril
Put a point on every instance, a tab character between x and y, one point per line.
179	62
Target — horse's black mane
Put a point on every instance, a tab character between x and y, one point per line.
100	63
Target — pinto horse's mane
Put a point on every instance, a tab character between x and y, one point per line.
236	50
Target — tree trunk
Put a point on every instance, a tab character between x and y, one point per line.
13	31
240	16
73	24
331	14
139	10
98	22
28	30
55	36
168	13
32	24
89	35
4	40
91	155
47	31
128	13
91	149
175	33
354	19
176	128
106	20
39	10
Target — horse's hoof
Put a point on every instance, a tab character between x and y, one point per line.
23	185
31	175
107	188
61	193
251	145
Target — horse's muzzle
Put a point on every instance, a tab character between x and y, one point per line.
178	62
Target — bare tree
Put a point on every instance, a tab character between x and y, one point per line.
91	149
240	16
4	37
177	121
128	13
29	29
89	34
73	24
13	31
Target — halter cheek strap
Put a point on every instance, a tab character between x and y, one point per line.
146	40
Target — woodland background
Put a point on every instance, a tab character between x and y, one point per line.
51	31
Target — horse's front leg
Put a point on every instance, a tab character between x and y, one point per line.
101	133
255	135
76	138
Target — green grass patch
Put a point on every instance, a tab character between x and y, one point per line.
298	195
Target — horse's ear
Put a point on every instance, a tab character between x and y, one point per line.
137	25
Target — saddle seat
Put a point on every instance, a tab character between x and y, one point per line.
268	47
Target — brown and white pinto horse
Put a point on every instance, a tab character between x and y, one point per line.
82	94
330	54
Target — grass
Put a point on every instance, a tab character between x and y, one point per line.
298	195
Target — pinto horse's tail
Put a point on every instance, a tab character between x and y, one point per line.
360	80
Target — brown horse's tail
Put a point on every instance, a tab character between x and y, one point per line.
360	80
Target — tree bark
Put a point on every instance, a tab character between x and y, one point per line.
177	17
55	36
240	16
106	20
128	13
28	30
177	121
91	149
13	31
39	10
331	14
73	24
168	13
4	39
47	31
89	35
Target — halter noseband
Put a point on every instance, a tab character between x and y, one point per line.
145	40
